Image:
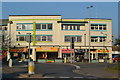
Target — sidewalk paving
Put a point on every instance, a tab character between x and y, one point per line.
98	71
19	70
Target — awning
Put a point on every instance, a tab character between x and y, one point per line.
67	50
46	49
102	51
19	50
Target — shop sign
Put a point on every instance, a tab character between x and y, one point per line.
80	51
47	49
103	51
67	50
19	50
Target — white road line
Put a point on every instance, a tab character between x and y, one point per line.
78	77
64	77
77	67
49	77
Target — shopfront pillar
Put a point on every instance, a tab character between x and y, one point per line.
33	54
60	53
110	52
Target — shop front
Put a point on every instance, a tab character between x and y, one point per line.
79	55
103	54
46	54
67	53
19	54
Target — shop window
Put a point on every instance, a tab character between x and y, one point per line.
0	27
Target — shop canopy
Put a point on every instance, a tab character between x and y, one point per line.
46	49
19	50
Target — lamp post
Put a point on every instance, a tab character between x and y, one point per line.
103	40
89	30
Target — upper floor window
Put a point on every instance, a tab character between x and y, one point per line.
24	26
72	26
44	26
76	38
44	38
98	27
98	39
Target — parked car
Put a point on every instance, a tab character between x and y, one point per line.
116	58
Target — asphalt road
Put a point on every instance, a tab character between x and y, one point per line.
58	70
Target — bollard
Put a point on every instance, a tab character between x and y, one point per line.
10	62
65	60
31	68
110	61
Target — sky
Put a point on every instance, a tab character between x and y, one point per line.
77	10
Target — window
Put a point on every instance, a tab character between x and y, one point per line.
78	27
76	38
24	26
94	39
43	26
49	38
67	38
70	27
98	26
44	38
50	26
38	26
79	39
38	38
66	27
102	39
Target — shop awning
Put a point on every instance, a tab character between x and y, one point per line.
19	50
102	51
46	49
67	50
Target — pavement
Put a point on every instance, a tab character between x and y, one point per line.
97	69
18	70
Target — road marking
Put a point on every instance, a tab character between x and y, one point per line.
49	77
64	77
77	67
77	77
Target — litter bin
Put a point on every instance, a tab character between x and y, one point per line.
31	68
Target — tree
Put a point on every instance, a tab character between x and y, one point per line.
117	41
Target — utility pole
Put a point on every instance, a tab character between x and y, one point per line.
89	32
71	48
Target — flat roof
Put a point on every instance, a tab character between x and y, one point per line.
34	15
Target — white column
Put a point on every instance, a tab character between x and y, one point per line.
60	52
33	54
110	52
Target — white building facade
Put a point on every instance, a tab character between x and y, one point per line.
51	36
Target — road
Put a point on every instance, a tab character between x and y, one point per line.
58	70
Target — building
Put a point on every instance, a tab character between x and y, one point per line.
51	36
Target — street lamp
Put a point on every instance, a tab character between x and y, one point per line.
89	30
103	40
